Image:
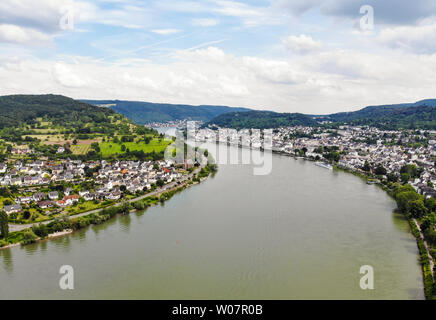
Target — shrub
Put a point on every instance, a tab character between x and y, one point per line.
41	230
29	237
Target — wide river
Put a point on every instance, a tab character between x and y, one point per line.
301	232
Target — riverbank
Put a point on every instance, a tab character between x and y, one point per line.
66	225
425	255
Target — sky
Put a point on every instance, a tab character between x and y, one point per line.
308	56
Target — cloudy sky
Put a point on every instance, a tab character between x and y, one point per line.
310	56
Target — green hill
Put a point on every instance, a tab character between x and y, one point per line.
419	115
18	110
146	112
260	120
43	123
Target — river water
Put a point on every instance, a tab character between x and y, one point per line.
301	232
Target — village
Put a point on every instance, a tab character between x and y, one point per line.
38	188
364	149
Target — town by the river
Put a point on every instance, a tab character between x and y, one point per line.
301	232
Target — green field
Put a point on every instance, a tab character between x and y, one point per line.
110	148
80	148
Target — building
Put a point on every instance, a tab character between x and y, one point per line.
13	208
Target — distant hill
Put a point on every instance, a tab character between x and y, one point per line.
146	112
418	115
17	110
261	120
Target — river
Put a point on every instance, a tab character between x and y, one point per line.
301	232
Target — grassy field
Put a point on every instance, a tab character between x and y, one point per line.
110	148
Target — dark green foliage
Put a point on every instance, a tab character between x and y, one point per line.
366	167
420	115
17	110
40	230
380	170
29	237
261	120
4	227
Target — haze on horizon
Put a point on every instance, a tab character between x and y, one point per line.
308	56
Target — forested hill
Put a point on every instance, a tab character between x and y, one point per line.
260	120
19	110
419	115
146	112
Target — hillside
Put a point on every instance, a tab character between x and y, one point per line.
146	112
260	120
38	125
419	115
17	110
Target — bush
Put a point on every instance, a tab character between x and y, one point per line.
79	223
3	243
41	230
29	237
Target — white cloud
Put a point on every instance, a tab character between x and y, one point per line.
165	32
205	22
42	20
15	34
420	39
66	76
302	44
324	81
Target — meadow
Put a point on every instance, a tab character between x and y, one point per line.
110	148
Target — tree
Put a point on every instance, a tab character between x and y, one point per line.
392	177
405	198
41	230
29	237
4	227
380	170
123	148
160	183
366	167
405	177
430	204
125	208
417	208
74	141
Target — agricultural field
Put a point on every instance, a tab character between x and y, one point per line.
80	148
110	148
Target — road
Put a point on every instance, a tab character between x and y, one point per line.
168	187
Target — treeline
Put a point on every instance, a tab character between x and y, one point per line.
416	206
261	120
389	117
17	110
